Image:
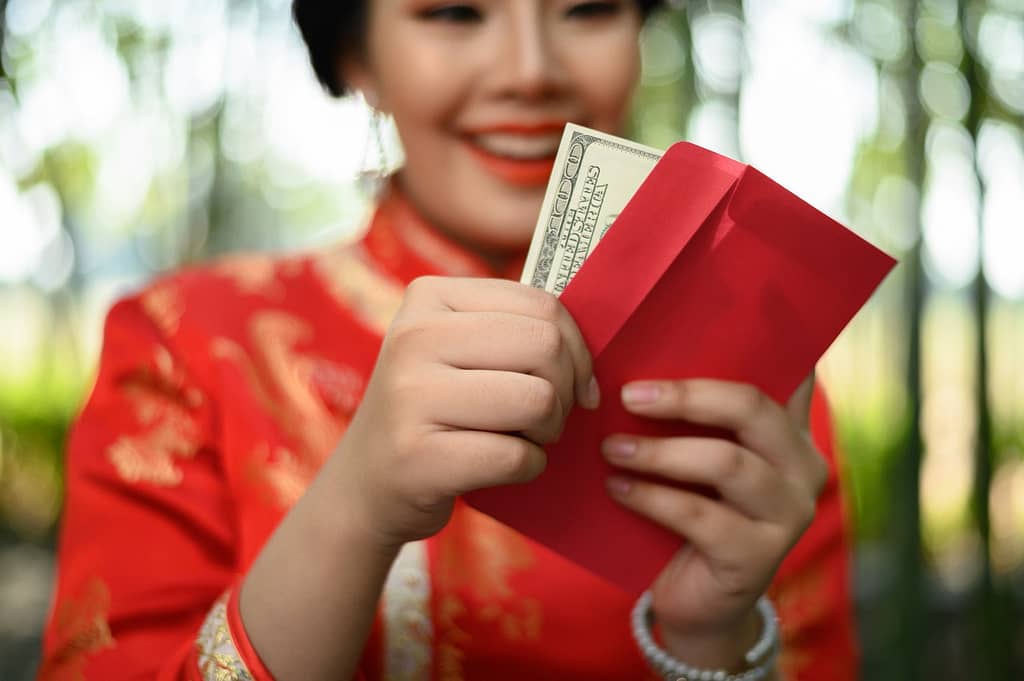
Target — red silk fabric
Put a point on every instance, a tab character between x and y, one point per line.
220	392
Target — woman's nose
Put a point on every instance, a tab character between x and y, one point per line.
529	65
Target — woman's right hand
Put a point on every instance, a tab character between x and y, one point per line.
473	377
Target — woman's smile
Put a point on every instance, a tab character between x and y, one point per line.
520	154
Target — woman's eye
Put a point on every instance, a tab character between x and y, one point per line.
587	10
456	14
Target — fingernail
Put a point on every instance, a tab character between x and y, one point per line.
619	449
641	393
619	486
593	397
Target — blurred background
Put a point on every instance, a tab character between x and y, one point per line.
138	135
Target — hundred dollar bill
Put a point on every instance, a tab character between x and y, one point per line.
594	176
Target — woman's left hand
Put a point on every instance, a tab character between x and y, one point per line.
766	487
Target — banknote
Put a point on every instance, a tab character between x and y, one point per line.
594	176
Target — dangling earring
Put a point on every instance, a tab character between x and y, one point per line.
373	176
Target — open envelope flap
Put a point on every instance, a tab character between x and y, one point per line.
816	273
678	195
757	296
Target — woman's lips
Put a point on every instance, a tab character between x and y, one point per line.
518	154
517	171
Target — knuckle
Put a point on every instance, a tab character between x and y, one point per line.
547	306
752	402
548	339
421	286
408	446
690	511
541	398
678	396
673	394
730	463
406	387
519	461
651	453
404	333
804	510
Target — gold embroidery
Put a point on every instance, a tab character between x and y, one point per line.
280	473
251	273
162	303
219	659
286	383
516	626
494	552
478	555
452	639
80	629
161	403
274	336
340	386
351	277
408	631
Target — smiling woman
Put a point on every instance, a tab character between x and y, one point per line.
482	90
265	481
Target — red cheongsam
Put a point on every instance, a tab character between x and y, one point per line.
221	390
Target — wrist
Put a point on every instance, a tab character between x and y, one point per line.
309	599
714	649
721	647
345	513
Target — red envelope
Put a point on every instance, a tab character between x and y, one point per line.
712	270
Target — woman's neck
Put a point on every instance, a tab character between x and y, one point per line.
499	260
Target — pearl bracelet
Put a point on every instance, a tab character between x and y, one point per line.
760	658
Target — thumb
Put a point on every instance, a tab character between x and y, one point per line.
799	405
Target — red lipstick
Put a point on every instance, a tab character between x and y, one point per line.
519	172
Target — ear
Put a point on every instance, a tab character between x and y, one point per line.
359	76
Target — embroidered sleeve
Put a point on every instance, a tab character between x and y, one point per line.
218	656
147	539
222	649
812	588
147	554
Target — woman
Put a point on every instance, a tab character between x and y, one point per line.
263	483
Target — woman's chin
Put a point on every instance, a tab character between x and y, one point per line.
509	242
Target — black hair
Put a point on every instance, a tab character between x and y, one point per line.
336	28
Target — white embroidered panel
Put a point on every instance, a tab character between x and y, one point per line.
218	658
408	629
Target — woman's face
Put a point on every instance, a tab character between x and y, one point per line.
480	91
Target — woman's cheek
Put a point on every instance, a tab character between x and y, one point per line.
608	76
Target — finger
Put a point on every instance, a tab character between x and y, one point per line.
760	423
742	478
477	459
498	295
497	401
504	341
701	520
799	404
815	469
799	407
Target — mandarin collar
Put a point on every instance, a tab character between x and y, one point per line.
409	246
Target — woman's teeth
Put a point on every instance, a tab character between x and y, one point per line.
519	147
